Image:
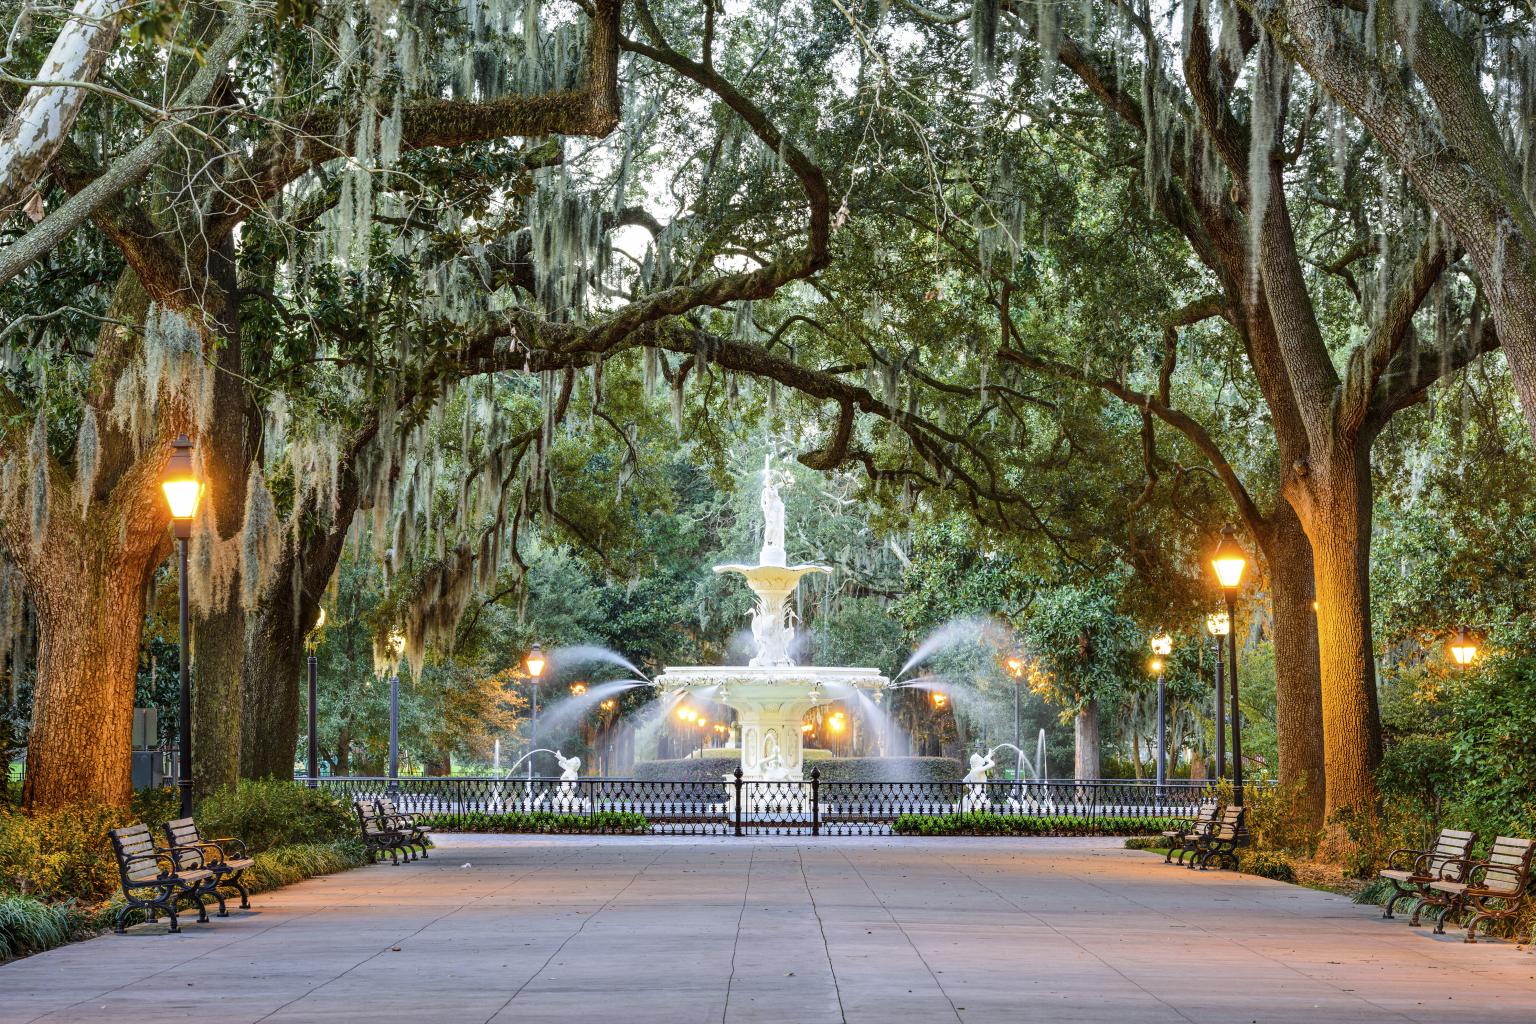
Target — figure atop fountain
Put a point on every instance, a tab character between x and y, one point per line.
773	518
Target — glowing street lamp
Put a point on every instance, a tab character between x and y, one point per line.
1229	562
1219	624
1014	663
534	664
182	490
312	762
396	645
940	699
1463	648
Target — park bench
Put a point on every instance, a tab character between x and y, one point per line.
226	858
408	823
1180	836
1493	888
1411	871
152	879
1220	843
378	836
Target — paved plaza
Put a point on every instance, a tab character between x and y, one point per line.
795	931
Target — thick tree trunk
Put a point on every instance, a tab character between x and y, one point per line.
1298	675
272	678
90	613
1085	730
1338	523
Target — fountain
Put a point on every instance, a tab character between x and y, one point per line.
770	694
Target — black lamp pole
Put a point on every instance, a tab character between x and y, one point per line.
314	740
184	725
394	732
1237	718
1221	712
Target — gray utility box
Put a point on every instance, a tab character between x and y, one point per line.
148	760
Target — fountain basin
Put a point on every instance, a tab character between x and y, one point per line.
770	702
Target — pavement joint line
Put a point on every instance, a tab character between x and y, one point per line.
901	928
579	929
389	948
822	925
1036	917
741	916
178	965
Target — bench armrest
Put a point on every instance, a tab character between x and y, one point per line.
167	868
229	847
1458	869
1410	859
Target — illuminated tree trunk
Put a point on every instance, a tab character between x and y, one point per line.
1298	675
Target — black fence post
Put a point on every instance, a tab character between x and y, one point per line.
815	801
738	799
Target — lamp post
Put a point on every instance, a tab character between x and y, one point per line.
312	762
1015	665
182	490
534	664
1463	649
1162	646
396	643
1218	624
1229	562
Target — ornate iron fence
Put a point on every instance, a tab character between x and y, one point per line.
744	807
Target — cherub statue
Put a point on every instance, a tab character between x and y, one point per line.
570	768
975	781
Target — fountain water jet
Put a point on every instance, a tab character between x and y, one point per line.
770	694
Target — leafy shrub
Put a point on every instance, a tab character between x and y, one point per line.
270	813
981	823
60	854
890	769
1145	842
540	821
1268	864
29	925
154	807
686	769
1279	819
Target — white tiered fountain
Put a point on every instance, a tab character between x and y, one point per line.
770	694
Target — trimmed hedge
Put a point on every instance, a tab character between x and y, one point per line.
980	823
270	813
539	821
833	769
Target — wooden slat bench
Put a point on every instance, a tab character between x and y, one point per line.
1411	871
1180	836
378	836
407	823
152	880
226	858
1221	842
1494	889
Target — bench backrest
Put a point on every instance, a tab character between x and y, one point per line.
1509	865
1452	848
1206	811
368	815
134	848
183	832
386	807
1227	826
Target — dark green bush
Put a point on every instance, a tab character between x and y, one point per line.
539	821
1145	842
889	769
978	823
1268	864
29	925
270	813
686	769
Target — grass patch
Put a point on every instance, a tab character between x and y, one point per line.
29	925
980	823
539	821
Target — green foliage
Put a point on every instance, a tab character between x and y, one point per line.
980	823
29	925
1156	842
270	813
63	854
155	806
1268	864
540	821
1494	750
890	769
686	769
1088	648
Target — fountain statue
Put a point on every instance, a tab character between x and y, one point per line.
568	799
975	798
770	694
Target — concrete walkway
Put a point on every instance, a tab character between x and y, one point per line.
673	931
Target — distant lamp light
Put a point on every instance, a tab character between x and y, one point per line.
535	661
1229	560
1463	648
1155	666
837	723
1014	663
806	727
609	705
577	689
940	698
1217	624
1162	644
